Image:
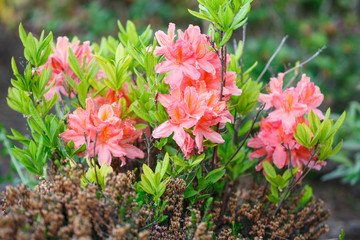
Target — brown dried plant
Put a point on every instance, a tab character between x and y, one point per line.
61	209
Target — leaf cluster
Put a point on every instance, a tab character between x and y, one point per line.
320	134
154	183
278	182
226	16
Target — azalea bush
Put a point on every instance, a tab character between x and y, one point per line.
177	120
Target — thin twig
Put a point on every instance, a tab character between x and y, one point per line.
91	163
292	79
66	153
222	58
223	69
149	141
247	135
72	160
291	185
272	58
193	178
242	51
306	61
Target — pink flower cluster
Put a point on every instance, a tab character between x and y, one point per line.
60	65
191	63
278	128
193	104
105	131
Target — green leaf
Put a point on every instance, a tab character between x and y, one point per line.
146	182
202	197
303	134
22	34
307	195
75	65
40	155
71	82
228	17
25	160
273	199
199	15
157	180
336	149
269	169
280	181
190	192
326	126
342	235
165	165
239	24
37	118
146	188
226	37
198	160
274	191
240	15
338	124
215	175
82	92
161	189
312	122
149	174
213	14
45	43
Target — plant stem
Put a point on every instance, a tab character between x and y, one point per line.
272	58
222	57
242	52
91	163
306	61
291	185
247	135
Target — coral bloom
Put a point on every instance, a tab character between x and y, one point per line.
195	112
180	61
270	142
194	76
189	62
277	130
58	61
107	134
287	108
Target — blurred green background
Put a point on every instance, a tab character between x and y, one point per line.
309	24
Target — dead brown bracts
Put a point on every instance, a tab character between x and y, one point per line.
61	209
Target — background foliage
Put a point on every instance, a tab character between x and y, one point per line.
310	24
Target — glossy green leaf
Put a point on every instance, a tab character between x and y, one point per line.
215	175
269	169
307	195
165	165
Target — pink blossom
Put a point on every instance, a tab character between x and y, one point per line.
287	108
276	85
179	120
270	142
180	62
190	63
164	40
58	61
203	129
277	130
107	134
310	95
194	76
195	112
